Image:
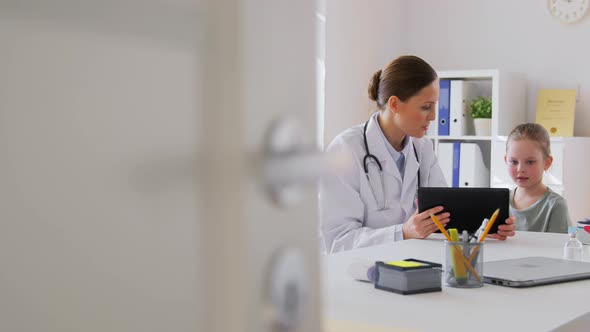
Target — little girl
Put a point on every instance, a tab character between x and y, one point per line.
535	207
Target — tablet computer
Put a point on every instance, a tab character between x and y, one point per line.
468	206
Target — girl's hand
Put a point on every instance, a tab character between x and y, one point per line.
505	231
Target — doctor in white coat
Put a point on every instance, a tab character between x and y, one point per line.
374	202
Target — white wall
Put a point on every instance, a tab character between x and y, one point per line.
362	37
519	36
510	35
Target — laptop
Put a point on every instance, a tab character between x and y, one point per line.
468	206
534	271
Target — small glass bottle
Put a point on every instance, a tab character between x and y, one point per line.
573	247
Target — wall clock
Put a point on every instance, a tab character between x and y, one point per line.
568	11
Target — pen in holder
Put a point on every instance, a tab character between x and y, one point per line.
458	271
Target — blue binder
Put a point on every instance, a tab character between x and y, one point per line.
456	163
444	101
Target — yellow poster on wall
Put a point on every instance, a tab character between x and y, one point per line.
555	111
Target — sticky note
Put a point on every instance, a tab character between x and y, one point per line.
405	264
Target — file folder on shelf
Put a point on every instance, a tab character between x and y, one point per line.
443	107
445	161
456	163
472	170
463	165
460	120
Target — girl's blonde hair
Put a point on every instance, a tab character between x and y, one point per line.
534	132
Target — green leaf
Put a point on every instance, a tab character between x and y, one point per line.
481	107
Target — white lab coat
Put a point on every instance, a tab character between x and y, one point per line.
349	215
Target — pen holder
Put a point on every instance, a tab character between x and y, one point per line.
463	266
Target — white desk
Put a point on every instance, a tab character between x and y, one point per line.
482	309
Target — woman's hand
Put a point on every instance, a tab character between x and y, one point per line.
420	226
505	231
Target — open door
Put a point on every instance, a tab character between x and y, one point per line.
147	179
259	224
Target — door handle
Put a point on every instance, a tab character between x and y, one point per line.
289	163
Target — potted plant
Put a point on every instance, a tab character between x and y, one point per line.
481	112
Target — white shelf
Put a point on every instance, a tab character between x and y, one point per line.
478	74
461	138
507	92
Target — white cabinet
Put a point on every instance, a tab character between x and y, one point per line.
567	176
507	92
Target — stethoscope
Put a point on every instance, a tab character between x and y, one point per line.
370	158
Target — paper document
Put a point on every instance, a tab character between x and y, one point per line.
555	111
